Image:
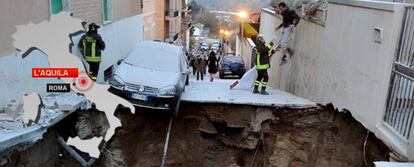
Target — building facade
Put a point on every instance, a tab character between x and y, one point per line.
167	21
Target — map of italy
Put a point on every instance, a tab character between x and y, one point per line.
52	37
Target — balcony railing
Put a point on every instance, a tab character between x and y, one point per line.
175	36
172	13
172	37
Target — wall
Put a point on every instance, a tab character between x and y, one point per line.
125	8
91	10
149	14
247	51
18	12
88	10
340	62
119	39
160	18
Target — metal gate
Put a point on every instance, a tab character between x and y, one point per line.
399	113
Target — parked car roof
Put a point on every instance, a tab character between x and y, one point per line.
230	59
156	56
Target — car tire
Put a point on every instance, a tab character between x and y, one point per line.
187	81
221	76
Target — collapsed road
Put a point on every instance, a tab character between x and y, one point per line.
219	135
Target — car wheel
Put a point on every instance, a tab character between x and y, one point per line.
221	76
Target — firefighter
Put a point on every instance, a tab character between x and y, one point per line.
91	45
263	54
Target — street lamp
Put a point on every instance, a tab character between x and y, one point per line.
242	15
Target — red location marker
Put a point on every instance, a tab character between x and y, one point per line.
83	81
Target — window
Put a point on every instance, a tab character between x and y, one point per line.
107	11
56	6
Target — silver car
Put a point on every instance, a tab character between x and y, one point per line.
153	76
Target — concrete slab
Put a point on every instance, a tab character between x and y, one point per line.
219	92
14	135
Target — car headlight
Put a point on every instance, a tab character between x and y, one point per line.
167	91
117	82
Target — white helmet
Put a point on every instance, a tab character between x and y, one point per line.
260	38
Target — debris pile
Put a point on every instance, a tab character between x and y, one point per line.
239	128
51	109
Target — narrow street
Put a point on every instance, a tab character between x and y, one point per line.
108	83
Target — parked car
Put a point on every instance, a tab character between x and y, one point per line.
231	65
204	47
153	76
215	46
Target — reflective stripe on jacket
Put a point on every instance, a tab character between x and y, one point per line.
91	45
262	57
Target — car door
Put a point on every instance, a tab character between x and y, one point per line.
184	69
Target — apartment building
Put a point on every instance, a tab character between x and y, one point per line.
167	20
186	23
150	16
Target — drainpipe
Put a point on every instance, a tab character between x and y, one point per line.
74	154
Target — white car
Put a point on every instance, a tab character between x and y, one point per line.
215	46
204	47
153	76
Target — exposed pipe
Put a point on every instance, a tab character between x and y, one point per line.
167	140
73	153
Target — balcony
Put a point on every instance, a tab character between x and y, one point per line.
172	37
172	13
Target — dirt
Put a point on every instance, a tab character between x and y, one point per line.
218	135
231	136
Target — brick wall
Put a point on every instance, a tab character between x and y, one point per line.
125	8
88	10
160	20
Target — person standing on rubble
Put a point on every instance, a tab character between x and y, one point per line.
263	54
91	45
290	20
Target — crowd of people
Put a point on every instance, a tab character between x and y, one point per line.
202	64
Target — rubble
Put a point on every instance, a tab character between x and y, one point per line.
241	131
14	131
14	108
285	138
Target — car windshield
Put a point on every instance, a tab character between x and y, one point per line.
166	62
228	60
